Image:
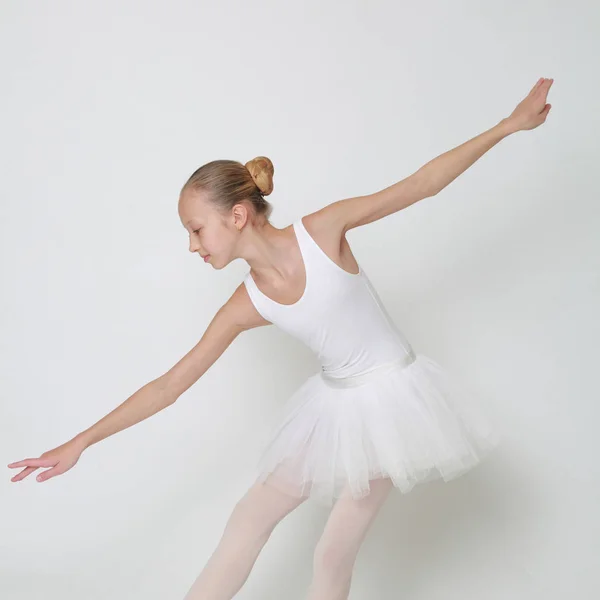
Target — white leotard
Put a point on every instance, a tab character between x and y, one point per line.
339	316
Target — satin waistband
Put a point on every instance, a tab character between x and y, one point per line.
371	374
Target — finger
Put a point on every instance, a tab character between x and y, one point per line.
546	89
33	462
536	86
540	86
542	116
542	91
48	474
23	473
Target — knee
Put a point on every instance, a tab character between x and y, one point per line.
251	521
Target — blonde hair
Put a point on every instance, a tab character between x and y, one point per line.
229	182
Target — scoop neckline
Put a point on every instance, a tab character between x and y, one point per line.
303	258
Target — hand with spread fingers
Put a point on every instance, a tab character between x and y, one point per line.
61	459
532	111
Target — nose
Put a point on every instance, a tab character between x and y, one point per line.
193	246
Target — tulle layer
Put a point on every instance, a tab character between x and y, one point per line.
410	423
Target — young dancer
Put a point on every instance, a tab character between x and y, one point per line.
376	416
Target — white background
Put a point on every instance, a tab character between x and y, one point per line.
108	107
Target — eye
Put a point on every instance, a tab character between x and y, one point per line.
195	230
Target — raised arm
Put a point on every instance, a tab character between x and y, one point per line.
435	175
236	315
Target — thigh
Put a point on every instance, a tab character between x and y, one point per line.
264	505
351	518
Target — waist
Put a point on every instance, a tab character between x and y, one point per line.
369	375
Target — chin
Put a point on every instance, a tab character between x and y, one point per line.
218	265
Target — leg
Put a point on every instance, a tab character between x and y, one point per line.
247	530
345	530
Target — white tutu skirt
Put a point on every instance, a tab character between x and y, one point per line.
412	423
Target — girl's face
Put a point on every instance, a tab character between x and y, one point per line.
212	235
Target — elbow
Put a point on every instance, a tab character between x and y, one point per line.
425	185
166	390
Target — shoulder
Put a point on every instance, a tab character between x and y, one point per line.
239	310
327	227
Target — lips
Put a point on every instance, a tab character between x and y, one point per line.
206	257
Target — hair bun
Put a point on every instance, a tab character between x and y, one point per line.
261	169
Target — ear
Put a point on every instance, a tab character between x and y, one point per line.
240	216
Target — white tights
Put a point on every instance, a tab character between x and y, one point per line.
254	518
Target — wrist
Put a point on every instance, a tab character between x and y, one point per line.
506	127
82	441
